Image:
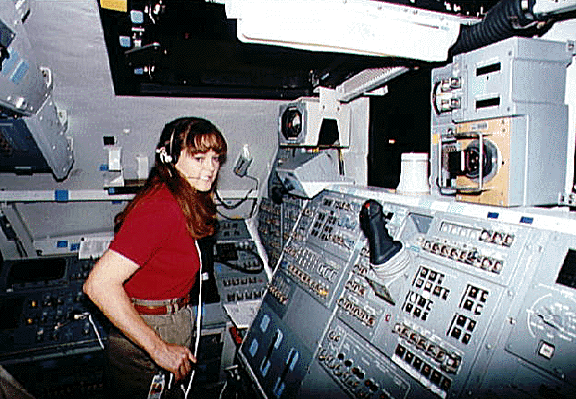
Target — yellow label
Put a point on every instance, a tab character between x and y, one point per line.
115	5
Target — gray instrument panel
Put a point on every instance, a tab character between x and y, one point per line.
470	307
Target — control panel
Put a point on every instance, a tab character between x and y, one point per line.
44	311
275	223
238	267
235	286
476	302
270	229
48	325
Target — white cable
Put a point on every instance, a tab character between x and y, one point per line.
96	330
198	327
253	231
223	389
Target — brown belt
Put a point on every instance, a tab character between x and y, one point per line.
170	307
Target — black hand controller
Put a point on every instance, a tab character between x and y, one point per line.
382	246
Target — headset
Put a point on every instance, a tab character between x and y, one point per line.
167	156
169	148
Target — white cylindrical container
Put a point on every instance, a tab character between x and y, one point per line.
414	174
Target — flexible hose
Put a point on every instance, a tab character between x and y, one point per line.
504	20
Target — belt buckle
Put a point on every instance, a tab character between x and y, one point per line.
173	307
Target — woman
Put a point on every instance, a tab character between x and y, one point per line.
142	282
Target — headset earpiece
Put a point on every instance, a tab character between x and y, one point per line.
164	156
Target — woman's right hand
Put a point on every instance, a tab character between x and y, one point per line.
174	358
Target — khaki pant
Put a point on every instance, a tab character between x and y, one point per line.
130	370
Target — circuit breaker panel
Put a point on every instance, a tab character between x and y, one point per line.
479	306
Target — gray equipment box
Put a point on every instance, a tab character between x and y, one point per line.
503	103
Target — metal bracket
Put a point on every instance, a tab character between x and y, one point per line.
466	190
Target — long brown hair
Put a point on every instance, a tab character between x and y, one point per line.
195	135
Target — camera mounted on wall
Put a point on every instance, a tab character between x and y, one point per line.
321	121
315	128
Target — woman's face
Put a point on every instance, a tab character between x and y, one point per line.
199	169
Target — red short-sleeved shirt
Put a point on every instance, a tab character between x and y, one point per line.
154	236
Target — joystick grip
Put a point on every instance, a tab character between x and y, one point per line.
382	246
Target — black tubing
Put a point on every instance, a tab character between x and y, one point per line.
504	20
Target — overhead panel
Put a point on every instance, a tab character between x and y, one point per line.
192	48
32	127
353	27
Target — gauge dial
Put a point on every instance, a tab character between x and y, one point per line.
553	318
